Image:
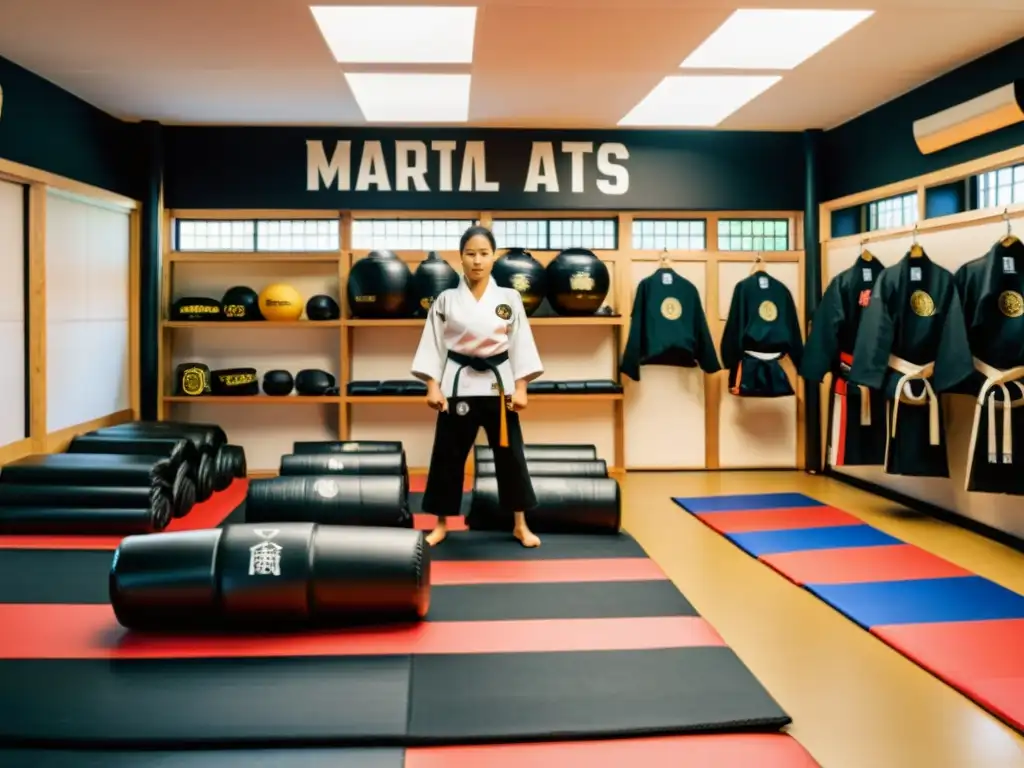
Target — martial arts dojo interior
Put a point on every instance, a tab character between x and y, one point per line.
769	256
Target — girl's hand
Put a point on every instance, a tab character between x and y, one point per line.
435	398
518	400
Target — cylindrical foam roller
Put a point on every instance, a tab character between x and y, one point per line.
342	464
564	505
542	452
347	446
270	574
594	468
376	500
83	521
178	449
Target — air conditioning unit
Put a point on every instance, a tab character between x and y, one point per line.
984	114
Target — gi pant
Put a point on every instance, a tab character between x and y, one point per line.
454	437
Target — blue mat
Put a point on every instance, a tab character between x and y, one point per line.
922	601
761	543
745	502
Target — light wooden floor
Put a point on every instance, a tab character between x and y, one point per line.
855	703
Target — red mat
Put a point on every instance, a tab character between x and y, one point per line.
748	521
897	562
984	659
712	751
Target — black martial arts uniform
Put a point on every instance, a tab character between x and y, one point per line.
761	329
856	432
991	290
668	327
914	310
476	350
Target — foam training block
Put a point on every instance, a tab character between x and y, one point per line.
970	598
777	519
747	501
893	562
837	537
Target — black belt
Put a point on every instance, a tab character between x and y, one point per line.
482	364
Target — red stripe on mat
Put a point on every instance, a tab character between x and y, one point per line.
777	519
545	571
208	514
981	659
769	750
92	632
859	565
423	522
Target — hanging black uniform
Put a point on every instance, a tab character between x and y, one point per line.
762	328
991	290
914	310
856	431
668	327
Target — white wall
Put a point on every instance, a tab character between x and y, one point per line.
266	430
949	248
87	311
12	313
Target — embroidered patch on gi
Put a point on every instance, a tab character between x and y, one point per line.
504	311
671	309
1011	304
768	311
921	304
462	408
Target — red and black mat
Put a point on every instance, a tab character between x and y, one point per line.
583	638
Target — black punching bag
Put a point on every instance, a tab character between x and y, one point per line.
577	282
378	286
432	276
518	269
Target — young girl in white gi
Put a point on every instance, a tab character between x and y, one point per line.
477	355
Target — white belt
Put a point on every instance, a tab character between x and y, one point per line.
996	379
763	355
904	394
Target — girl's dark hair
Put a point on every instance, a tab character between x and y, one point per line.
472	232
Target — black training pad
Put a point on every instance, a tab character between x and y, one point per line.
499	545
168	703
508	697
326	757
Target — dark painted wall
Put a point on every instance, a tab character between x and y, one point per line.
229	167
45	127
878	148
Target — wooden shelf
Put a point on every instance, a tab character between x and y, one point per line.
255	399
249	257
544	397
413	322
242	325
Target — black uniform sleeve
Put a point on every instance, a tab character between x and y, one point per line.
635	342
875	337
732	334
953	361
822	346
796	337
705	353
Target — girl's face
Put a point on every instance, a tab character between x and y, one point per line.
477	258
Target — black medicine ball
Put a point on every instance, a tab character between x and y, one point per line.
322	307
278	383
241	303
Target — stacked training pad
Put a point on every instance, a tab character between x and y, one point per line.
574	492
966	630
584	638
117	481
344	482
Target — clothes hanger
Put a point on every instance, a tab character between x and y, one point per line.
664	262
1010	238
759	265
916	251
864	252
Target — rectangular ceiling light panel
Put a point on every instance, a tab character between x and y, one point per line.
772	39
411	98
366	34
696	100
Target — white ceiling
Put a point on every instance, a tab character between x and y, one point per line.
536	63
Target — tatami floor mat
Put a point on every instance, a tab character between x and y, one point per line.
965	629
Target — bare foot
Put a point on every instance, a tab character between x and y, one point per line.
526	537
437	535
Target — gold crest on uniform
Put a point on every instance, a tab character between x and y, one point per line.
768	311
1011	304
671	309
504	311
922	304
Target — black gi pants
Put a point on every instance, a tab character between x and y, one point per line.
454	437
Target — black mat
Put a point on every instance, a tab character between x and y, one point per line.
497	545
325	757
